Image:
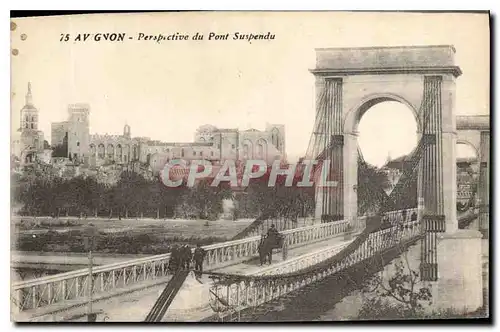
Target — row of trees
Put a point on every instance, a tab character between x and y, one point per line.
136	197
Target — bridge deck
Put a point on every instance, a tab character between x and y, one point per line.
253	266
135	305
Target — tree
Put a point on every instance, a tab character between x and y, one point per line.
371	182
205	200
402	295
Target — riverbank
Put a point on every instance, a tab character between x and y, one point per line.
125	236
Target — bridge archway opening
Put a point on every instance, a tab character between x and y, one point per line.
349	81
387	129
467	150
386	133
467	175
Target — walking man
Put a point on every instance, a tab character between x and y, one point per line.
174	263
199	256
188	256
182	257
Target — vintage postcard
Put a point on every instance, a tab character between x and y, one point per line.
250	166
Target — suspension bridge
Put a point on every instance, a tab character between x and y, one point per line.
340	243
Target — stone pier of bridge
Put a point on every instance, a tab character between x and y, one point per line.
351	80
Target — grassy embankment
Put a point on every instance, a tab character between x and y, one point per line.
126	236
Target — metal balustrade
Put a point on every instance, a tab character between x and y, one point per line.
247	293
397	216
71	286
464	194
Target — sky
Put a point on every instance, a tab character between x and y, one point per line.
167	90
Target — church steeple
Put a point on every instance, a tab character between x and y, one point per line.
389	159
29	96
29	114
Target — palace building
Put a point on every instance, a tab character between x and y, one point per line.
210	143
71	139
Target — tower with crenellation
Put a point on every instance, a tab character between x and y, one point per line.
78	132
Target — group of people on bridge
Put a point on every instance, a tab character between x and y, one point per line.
182	257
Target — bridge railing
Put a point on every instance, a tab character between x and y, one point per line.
398	216
74	285
248	293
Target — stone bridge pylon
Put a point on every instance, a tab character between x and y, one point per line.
474	131
349	81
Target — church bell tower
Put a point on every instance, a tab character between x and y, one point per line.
29	113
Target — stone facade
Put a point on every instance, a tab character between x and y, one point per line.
210	144
216	145
349	82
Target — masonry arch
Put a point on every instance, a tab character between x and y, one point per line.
471	139
101	151
135	152
261	149
111	151
470	147
354	115
126	153
349	81
247	149
119	152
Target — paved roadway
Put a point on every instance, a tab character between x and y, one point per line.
133	307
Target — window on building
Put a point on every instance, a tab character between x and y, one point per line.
32	126
212	153
182	152
26	126
77	143
233	146
27	119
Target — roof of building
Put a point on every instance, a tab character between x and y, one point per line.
225	130
29	107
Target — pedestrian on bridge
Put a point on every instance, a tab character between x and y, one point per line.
187	256
273	233
174	263
198	257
